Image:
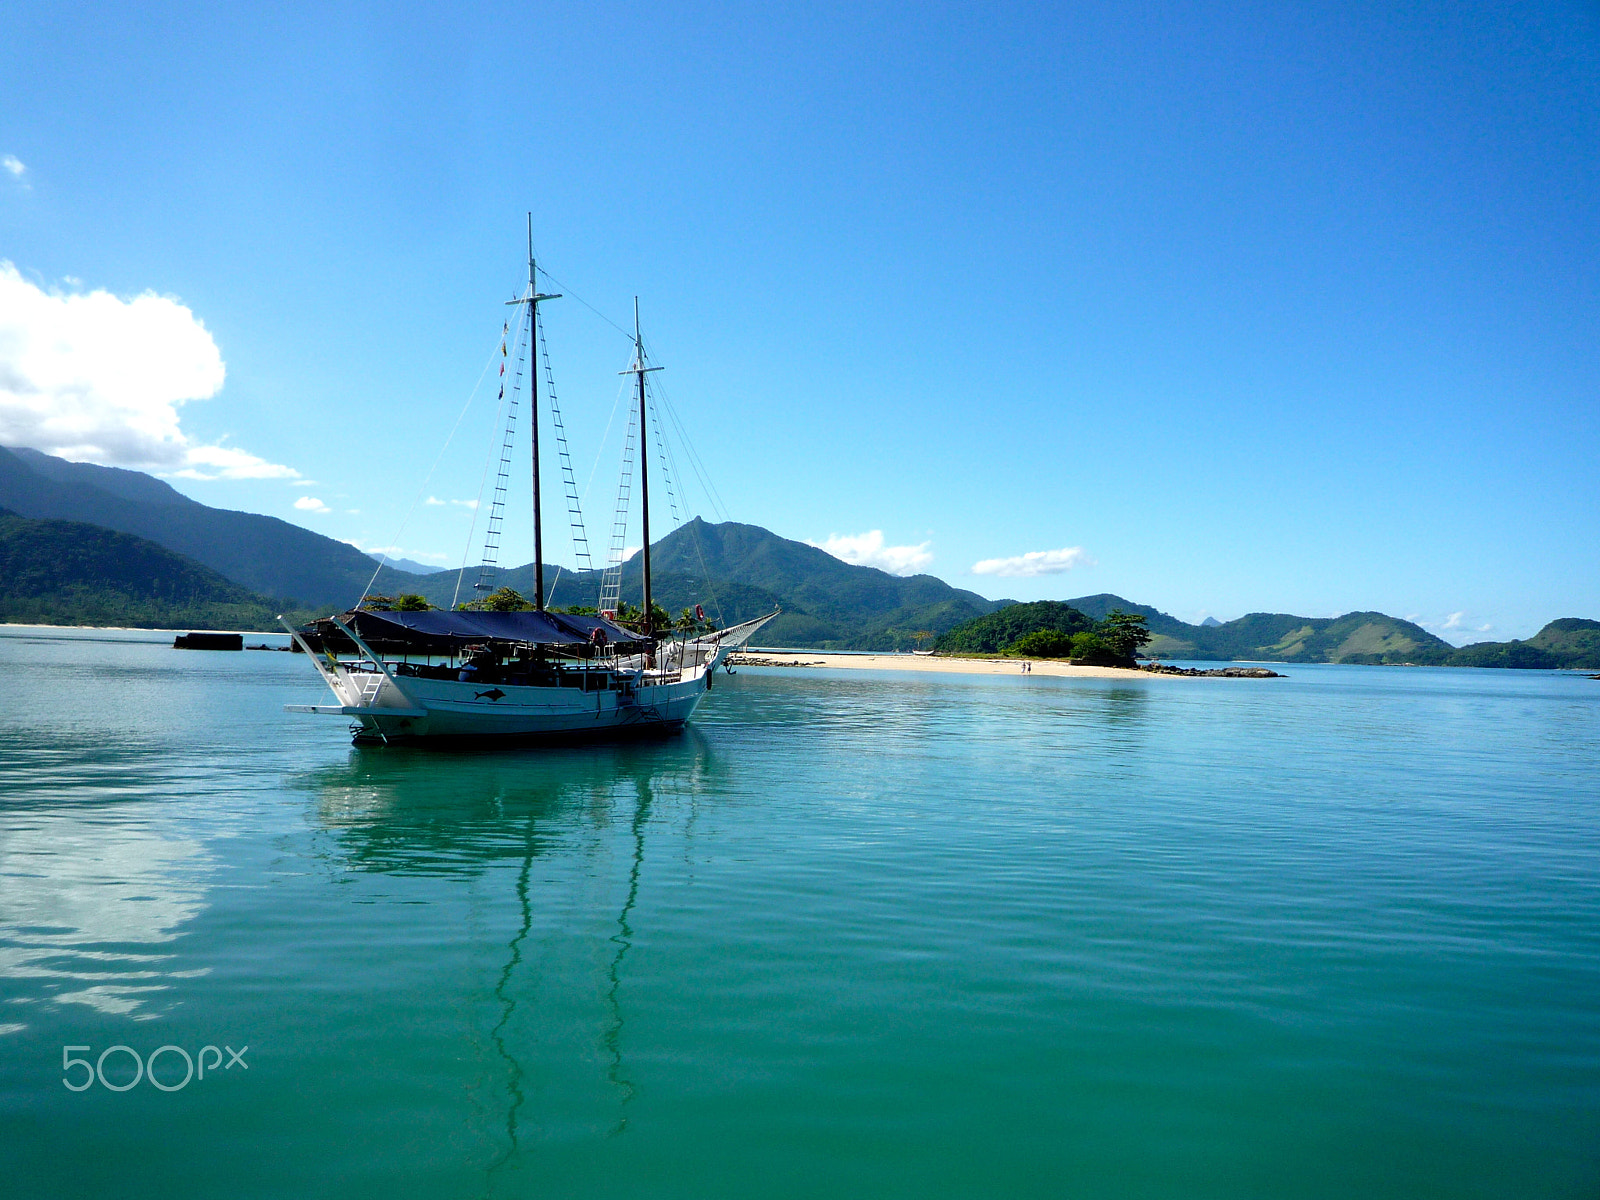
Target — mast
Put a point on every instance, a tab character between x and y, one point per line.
640	369
532	301
644	470
533	424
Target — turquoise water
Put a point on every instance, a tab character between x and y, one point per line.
854	934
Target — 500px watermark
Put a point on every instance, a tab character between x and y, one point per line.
144	1068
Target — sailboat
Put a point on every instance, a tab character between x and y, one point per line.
494	676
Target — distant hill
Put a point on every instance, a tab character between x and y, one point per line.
409	565
72	573
743	571
827	603
266	555
1571	643
1354	638
736	571
1361	637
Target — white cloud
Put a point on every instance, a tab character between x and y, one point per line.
1456	626
311	504
867	550
92	377
13	164
1035	562
226	462
435	502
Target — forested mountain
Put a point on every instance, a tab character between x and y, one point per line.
1353	638
264	554
735	571
72	573
1362	638
743	571
1569	642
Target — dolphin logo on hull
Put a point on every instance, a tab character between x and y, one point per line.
492	694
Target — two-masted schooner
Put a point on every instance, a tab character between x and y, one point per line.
471	675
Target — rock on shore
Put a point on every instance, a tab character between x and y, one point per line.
1221	672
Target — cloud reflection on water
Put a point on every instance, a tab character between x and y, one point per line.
85	907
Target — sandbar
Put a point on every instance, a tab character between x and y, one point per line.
921	662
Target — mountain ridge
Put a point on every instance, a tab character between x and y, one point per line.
742	571
1356	638
736	571
267	555
55	572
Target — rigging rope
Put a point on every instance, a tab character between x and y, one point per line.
495	524
664	452
580	537
701	473
567	291
665	446
658	399
477	504
416	500
611	581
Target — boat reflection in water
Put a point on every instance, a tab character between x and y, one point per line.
546	851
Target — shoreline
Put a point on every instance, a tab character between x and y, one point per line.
958	666
172	629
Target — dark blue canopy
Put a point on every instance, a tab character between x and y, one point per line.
441	629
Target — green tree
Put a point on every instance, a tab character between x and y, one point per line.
507	600
998	630
1091	650
1043	643
632	616
1124	633
373	602
411	602
687	622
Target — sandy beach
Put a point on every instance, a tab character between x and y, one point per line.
918	662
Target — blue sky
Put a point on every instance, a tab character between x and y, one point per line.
1254	307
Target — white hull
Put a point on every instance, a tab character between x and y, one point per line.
621	697
412	709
